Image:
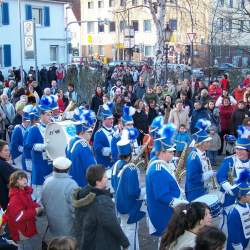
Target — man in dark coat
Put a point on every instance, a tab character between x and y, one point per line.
96	226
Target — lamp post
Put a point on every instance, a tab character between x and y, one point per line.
168	34
20	40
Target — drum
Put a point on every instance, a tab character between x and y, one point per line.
213	202
57	137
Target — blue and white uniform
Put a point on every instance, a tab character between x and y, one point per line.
117	167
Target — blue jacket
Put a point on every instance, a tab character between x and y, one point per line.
128	194
82	158
40	165
196	115
235	230
114	149
161	189
182	137
101	141
117	167
194	186
222	176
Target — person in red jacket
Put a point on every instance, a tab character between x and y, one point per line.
225	111
21	213
224	82
238	92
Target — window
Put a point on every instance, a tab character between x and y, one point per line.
147	25
173	24
111	3
100	27
221	3
100	4
4	13
148	51
241	25
1	56
145	2
112	27
122	25
229	25
230	3
241	4
37	14
122	3
90	4
134	2
220	24
53	53
135	25
90	27
101	50
90	50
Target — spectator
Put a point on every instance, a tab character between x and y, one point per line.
5	171
51	75
225	82
150	95
187	104
32	95
19	111
184	225
96	100
198	113
118	106
214	90
127	79
215	145
140	88
225	94
213	114
166	108
44	82
135	74
62	243
226	110
57	192
1	76
246	81
32	73
60	74
47	92
204	97
54	88
71	94
152	112
60	101
246	94
182	139
238	115
130	94
96	225
179	115
22	212
140	120
238	92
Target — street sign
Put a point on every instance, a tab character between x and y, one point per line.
28	43
119	46
191	36
28	28
129	32
128	43
90	39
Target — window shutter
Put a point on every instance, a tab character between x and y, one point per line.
46	16
28	12
7	55
5	14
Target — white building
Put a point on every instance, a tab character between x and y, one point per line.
50	33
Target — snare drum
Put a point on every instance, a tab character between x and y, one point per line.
57	137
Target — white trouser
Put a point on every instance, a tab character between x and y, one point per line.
37	192
109	174
131	231
223	225
18	162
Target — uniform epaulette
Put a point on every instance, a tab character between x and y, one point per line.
158	167
84	143
193	155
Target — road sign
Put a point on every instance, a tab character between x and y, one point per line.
191	36
28	28
90	39
129	32
28	43
128	43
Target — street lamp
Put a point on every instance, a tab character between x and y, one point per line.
168	34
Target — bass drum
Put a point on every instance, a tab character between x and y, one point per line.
57	137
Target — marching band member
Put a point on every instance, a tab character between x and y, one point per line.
238	218
128	193
199	172
103	138
230	170
16	145
162	190
78	150
127	122
55	115
41	167
124	155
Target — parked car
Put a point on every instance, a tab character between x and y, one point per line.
224	67
198	73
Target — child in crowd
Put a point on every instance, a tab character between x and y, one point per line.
182	138
215	145
21	213
62	243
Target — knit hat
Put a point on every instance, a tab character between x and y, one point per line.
62	163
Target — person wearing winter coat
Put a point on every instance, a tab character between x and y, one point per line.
182	138
95	225
21	213
5	171
215	145
97	101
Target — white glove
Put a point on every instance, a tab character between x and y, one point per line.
228	188
39	147
237	247
207	175
175	202
106	151
20	149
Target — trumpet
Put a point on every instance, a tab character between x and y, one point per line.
214	183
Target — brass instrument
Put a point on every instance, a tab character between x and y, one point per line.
231	174
70	107
214	183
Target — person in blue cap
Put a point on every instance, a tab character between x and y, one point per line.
16	144
162	190
55	115
41	166
78	150
198	168
231	168
126	122
103	138
238	219
128	195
